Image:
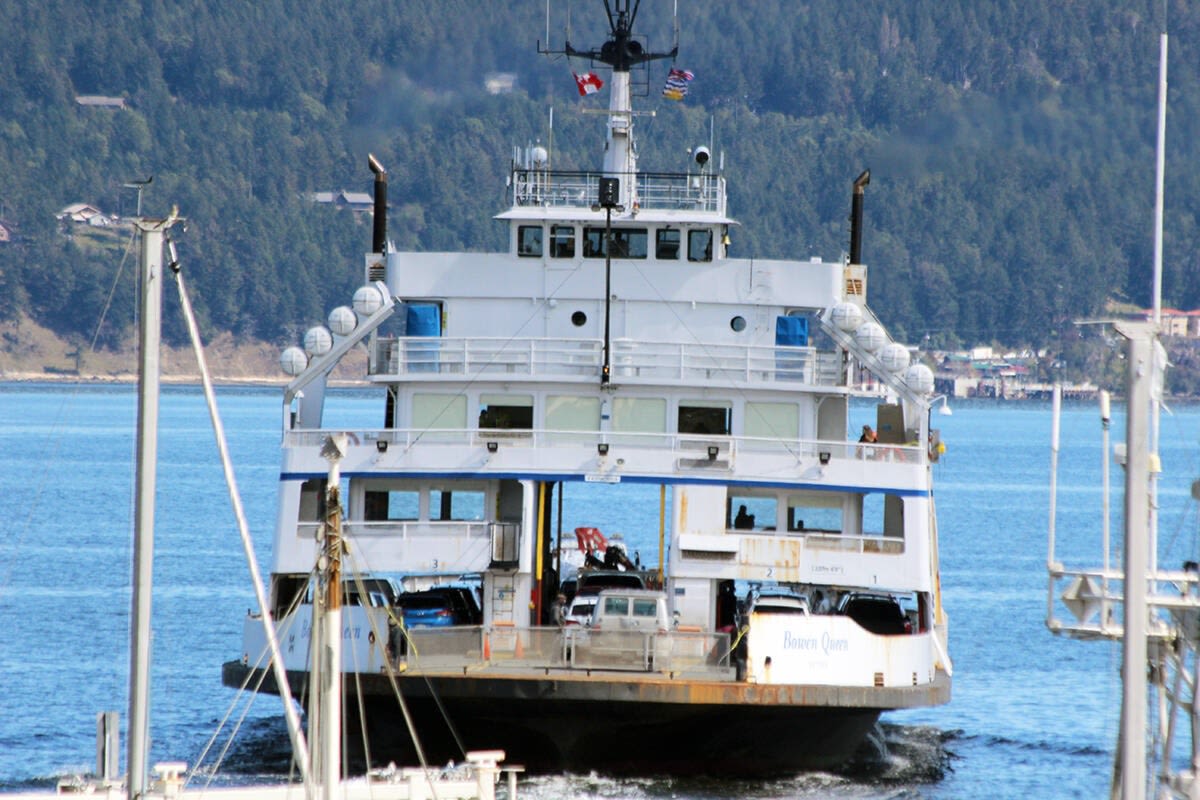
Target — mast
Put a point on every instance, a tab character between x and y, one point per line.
149	336
622	52
326	742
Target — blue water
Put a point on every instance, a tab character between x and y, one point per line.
1033	715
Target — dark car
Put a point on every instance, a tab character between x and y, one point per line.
593	582
880	614
440	606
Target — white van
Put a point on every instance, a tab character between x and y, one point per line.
630	610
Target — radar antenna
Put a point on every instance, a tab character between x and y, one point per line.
621	51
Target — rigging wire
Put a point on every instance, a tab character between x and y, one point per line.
294	730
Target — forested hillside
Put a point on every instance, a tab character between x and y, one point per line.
1011	144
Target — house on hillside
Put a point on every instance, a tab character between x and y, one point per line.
84	214
1178	323
6	234
99	101
357	202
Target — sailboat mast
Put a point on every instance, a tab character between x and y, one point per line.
149	336
327	629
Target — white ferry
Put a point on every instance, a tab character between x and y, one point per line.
795	596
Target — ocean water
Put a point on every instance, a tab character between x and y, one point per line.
1033	715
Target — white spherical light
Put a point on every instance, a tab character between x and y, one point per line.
894	357
293	360
846	316
367	300
318	341
919	378
342	320
870	336
539	156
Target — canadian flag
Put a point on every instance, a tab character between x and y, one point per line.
588	83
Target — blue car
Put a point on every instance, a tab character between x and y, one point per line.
438	607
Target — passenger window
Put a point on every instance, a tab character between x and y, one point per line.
645	608
700	245
666	244
529	240
617	606
562	241
460	505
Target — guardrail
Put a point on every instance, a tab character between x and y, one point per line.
654	190
424	357
685	447
675	653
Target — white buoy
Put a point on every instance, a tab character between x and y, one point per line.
342	321
293	361
919	378
894	357
318	341
846	316
870	336
367	300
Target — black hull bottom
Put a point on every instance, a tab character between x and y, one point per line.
612	724
617	738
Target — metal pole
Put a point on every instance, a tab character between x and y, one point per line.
606	370
149	336
1051	564
1137	508
1105	420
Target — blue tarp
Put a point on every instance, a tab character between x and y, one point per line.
423	319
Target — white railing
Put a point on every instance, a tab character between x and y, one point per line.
667	191
542	648
687	446
582	359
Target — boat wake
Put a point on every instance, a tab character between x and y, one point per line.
894	764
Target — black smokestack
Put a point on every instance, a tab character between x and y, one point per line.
379	233
856	216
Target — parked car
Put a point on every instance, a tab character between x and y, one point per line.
880	614
776	601
630	609
595	581
440	606
579	612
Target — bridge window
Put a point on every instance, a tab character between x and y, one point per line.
529	240
626	242
562	241
666	244
700	245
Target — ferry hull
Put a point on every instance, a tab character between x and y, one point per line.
612	723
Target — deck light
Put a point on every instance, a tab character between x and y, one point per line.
381	445
493	446
823	457
602	448
713	450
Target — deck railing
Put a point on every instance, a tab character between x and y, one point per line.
654	190
685	447
673	652
433	358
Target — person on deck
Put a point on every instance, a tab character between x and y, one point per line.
868	435
743	520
